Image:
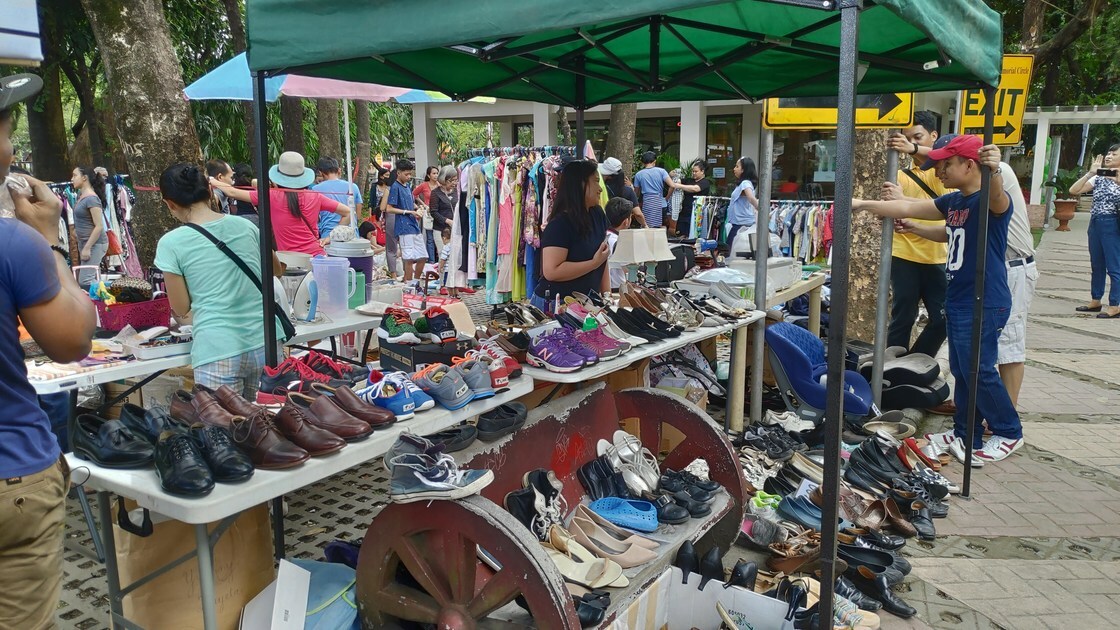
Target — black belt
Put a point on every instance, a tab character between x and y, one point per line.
1019	262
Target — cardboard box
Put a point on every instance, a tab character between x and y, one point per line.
282	605
410	358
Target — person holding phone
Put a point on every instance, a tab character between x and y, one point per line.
1103	179
574	247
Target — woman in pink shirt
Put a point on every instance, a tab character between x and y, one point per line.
294	211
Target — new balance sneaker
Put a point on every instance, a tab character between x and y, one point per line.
397	327
956	447
440	328
477	376
549	352
491	347
402	380
421	477
566	336
998	449
445	385
323	364
290	376
388	396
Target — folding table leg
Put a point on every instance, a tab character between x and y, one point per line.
87	513
112	575
206	577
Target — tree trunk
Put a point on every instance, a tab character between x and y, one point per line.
145	87
326	127
870	167
1034	19
365	146
237	36
620	138
565	128
291	119
47	129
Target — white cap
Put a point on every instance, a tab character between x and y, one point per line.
610	166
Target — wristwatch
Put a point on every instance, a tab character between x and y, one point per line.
915	151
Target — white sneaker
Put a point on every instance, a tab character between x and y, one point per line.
788	420
957	449
998	449
940	442
763	511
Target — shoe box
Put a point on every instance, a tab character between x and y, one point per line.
411	357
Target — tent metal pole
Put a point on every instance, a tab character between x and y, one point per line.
265	219
981	247
761	252
349	160
581	106
882	307
838	314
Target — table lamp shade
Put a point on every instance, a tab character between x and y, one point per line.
635	247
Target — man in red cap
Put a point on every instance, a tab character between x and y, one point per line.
958	165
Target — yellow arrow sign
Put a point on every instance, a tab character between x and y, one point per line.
1010	102
872	111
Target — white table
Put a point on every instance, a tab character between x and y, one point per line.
228	500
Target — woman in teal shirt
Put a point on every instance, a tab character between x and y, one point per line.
206	288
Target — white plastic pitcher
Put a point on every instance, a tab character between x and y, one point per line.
336	282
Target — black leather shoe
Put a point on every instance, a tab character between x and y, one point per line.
674	484
778	485
692	480
696	509
875	586
743	575
227	463
711	567
589	614
180	467
591	477
858	479
667	509
889	542
902	565
148	423
686	560
919	517
108	443
847	590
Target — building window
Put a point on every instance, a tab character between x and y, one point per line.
723	138
807	159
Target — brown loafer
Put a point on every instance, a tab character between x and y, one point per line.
947	408
200	405
324	412
348	401
234	402
294	425
258	437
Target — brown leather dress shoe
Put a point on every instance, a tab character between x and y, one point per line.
268	450
294	424
324	412
200	405
947	408
348	401
182	407
234	402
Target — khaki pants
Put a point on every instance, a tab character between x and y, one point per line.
31	525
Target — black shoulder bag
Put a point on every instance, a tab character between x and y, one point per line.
285	323
924	186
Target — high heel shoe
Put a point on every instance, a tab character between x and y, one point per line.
743	575
711	567
686	560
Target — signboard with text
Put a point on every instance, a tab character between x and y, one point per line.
1010	102
819	112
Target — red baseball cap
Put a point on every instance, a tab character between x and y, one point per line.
947	146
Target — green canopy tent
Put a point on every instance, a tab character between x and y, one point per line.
582	53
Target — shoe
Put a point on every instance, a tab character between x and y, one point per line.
674	483
878	538
931	478
440	327
711	567
757	532
590	355
549	506
897	520
348	401
603	345
957	449
1089	309
445	385
499	374
520	504
691	480
696	509
911	445
501	421
323	364
941	441
148	423
589	521
258	437
476	375
290	376
455	438
788	421
579	565
686	560
227	464
403	381
900	564
919	517
625	556
997	449
108	443
199	405
636	515
180	467
323	412
550	352
388	396
875	586
295	424
743	575
426	478
496	351
397	327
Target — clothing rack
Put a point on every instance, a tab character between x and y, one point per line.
520	150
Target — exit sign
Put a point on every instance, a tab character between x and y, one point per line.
1010	102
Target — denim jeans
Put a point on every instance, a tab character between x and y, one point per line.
1104	256
912	282
992	401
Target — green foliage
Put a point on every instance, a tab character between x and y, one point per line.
456	137
1062	182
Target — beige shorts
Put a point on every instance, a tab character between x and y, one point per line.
1021	279
412	247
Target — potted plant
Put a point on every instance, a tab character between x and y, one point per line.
1064	206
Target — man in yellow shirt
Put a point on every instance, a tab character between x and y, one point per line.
917	264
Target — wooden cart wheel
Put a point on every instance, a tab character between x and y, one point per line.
437	543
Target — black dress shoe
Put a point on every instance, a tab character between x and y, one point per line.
875	586
847	590
881	540
696	509
108	443
902	565
686	560
589	613
859	479
180	467
877	561
597	487
919	517
711	567
674	484
692	480
778	485
743	575
148	423
667	509
227	463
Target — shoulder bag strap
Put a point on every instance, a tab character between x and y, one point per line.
285	323
924	186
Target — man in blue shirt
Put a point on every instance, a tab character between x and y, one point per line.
958	166
37	289
336	188
413	250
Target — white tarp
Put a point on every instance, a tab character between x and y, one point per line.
19	33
